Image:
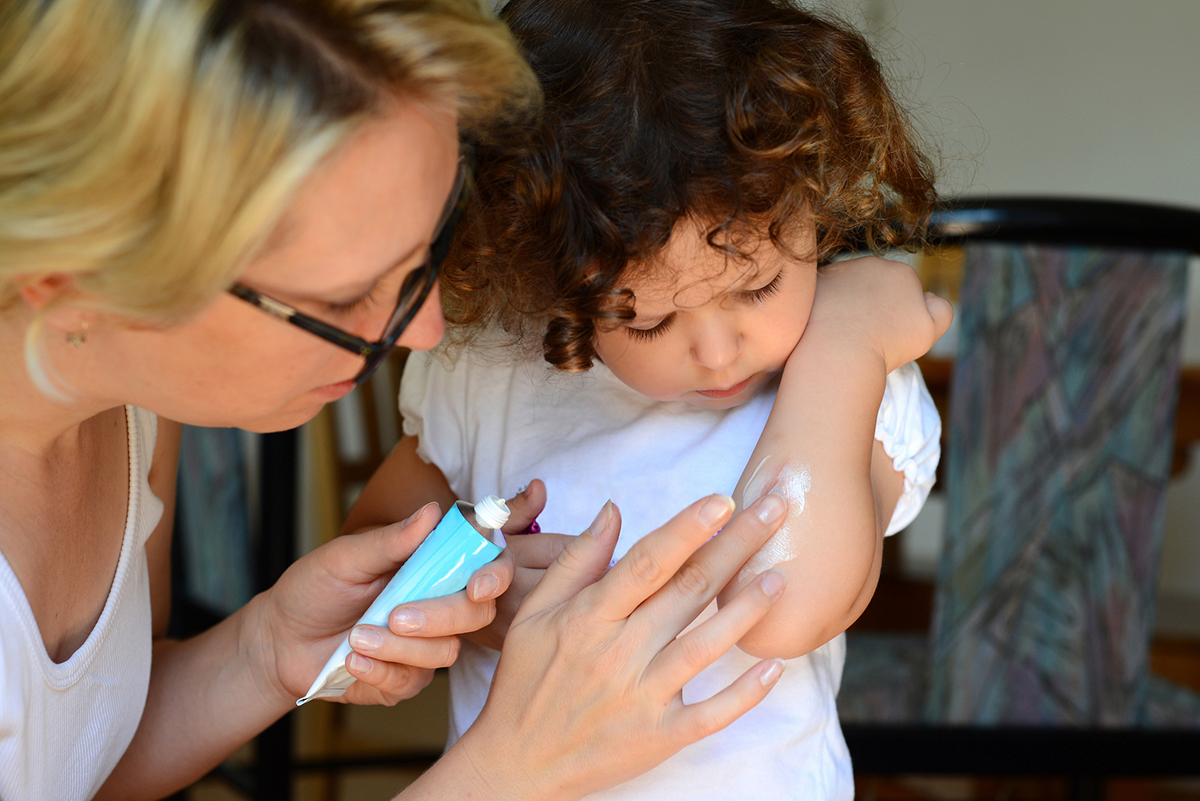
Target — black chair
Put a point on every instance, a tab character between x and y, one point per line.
1059	445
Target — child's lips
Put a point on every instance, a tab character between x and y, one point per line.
726	393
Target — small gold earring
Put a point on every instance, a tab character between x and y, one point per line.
76	338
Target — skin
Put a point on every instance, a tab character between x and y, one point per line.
713	332
361	222
720	329
598	744
818	451
710	332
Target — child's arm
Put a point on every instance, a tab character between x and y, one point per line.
403	484
819	451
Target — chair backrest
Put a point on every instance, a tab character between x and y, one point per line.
1059	450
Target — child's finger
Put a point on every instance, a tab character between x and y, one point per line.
525	507
941	311
537	551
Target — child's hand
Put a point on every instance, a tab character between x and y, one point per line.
531	555
881	303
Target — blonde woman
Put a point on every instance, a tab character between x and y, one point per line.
226	213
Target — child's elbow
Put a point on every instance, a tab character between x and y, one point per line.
775	639
816	607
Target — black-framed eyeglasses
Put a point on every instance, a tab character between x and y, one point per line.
413	291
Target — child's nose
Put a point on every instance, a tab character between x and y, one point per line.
716	347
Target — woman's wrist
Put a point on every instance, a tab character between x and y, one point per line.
259	648
478	767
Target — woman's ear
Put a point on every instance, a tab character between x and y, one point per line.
55	291
41	291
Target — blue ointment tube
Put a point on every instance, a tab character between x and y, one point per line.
441	565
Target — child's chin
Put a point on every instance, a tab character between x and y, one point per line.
722	404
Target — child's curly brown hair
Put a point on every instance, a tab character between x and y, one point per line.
751	116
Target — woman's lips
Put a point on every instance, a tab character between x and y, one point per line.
332	392
725	393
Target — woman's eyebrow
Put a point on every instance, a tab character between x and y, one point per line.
368	283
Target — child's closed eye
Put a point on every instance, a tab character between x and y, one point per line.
763	292
649	334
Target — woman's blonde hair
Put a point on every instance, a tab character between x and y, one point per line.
149	147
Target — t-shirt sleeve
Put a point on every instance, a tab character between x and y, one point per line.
910	429
432	403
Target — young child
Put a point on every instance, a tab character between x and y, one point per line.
656	238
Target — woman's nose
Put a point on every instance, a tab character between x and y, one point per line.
428	327
716	346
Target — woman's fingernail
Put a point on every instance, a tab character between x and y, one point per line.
365	639
359	663
485	588
770	508
716	509
772	673
773	583
403	620
417	514
601	522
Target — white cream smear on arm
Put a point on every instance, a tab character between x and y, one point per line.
793	482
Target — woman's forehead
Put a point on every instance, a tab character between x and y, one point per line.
370	204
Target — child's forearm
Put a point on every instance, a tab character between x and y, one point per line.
402	485
818	450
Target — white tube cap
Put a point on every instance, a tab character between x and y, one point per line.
491	512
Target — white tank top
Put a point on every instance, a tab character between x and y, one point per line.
63	727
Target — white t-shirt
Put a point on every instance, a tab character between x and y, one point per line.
64	726
492	427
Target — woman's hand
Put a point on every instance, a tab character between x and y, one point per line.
531	554
319	598
588	692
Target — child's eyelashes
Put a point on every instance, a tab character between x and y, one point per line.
763	292
649	334
756	296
